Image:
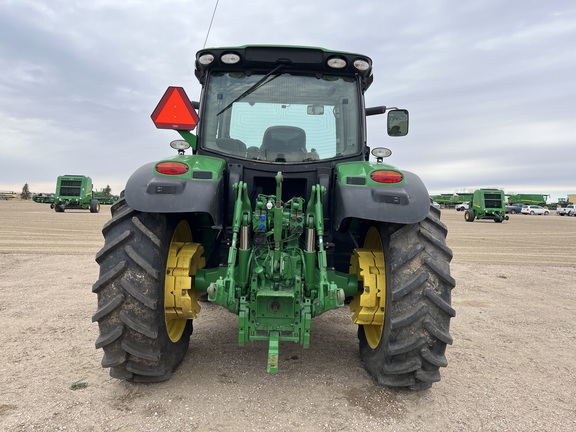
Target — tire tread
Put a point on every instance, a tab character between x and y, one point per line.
130	293
418	308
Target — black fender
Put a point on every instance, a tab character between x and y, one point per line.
151	193
408	203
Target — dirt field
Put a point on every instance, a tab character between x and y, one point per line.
512	366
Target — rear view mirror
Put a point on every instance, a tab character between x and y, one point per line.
397	122
315	109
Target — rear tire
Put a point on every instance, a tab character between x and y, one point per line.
130	290
410	348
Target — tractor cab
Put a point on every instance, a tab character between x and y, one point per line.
299	110
286	105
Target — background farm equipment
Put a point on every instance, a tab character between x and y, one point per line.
450	200
529	199
74	192
43	198
105	198
487	204
8	195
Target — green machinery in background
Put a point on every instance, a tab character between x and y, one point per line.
74	192
43	198
528	199
487	204
449	200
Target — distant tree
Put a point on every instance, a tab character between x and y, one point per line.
25	195
107	191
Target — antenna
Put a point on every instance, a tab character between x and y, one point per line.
212	20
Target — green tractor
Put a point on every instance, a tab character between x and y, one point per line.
487	204
278	215
74	192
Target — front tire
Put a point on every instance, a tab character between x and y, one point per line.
405	345
94	206
130	290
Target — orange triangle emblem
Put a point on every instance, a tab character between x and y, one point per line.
174	111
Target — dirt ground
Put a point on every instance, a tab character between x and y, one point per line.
512	366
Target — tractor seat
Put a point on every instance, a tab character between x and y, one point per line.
283	144
231	146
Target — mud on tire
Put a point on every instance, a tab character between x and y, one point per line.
130	291
418	309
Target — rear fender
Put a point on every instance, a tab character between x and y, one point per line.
200	189
356	195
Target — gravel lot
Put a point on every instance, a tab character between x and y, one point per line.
511	368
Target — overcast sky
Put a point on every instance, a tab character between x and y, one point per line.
490	84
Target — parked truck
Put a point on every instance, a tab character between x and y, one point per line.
279	215
569	210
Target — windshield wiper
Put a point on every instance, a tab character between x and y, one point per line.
260	83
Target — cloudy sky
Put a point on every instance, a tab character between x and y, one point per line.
490	84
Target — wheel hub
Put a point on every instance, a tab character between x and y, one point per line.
180	297
368	306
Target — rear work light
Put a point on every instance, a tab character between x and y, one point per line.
336	62
361	64
172	168
230	58
206	59
386	176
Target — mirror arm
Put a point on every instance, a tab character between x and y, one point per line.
375	110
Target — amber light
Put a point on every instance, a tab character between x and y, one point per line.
172	168
386	176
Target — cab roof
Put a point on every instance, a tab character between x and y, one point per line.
264	58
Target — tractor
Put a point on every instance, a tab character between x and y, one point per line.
487	204
279	214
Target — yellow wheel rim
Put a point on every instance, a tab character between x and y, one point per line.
368	306
180	297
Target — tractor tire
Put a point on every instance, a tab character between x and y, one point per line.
59	209
408	348
469	216
94	206
130	289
